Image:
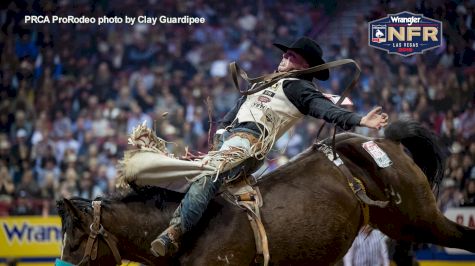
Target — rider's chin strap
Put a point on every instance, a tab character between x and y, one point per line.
90	253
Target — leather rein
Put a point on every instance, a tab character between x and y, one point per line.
96	228
268	80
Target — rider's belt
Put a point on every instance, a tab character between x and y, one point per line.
245	135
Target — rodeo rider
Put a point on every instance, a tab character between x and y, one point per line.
248	122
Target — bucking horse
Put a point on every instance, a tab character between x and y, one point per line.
310	212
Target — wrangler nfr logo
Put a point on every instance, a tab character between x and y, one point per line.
405	33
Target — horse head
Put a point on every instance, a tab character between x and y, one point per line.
119	219
77	220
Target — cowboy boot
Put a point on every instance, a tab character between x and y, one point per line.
167	243
185	216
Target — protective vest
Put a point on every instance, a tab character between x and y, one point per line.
270	108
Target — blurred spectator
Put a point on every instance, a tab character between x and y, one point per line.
469	193
87	187
467	122
21	125
24	206
450	197
69	184
143	98
369	248
219	67
65	144
103	83
247	21
21	150
25	46
49	193
48	167
61	124
100	125
137	117
28	187
4	149
7	190
140	52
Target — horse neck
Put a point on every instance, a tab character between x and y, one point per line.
142	216
135	225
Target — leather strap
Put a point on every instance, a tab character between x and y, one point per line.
260	235
355	184
112	241
249	198
357	187
96	228
270	79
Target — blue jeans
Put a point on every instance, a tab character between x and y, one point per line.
203	190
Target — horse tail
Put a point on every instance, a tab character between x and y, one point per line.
423	146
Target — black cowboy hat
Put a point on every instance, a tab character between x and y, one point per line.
310	51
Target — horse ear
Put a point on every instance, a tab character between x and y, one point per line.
73	211
69	207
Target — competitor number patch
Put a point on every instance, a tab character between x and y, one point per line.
379	156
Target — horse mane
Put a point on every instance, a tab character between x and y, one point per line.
423	145
152	195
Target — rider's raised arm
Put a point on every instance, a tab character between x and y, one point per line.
310	101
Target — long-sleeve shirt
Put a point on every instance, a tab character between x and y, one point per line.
309	101
368	250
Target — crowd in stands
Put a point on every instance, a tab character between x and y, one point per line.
70	93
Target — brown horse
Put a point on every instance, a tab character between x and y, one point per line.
310	213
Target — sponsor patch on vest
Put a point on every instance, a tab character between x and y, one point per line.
258	105
379	156
263	99
269	93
